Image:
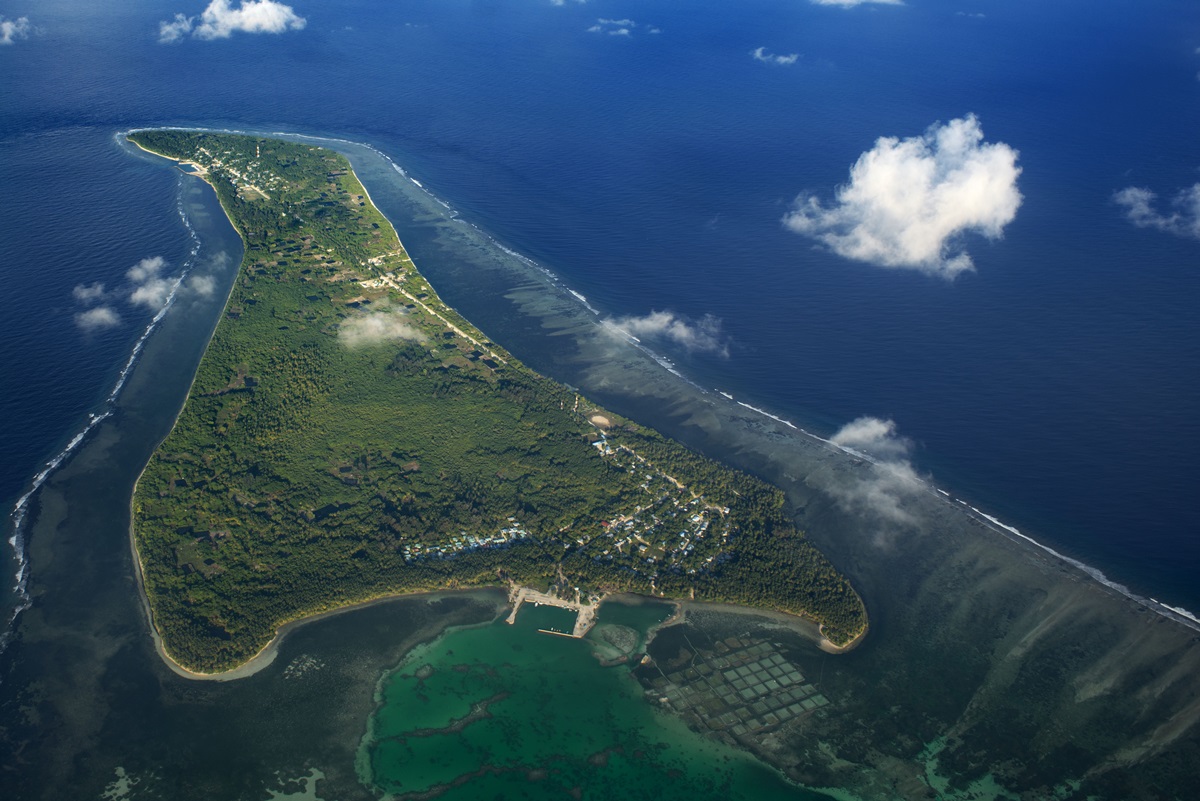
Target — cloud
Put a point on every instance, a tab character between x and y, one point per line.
618	27
909	200
146	269
203	285
1139	209
150	288
872	436
88	294
175	30
97	318
153	294
14	29
852	3
563	2
881	492
766	57
221	20
387	326
703	335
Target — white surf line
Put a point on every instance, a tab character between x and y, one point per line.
777	419
1178	614
21	508
1175	613
611	328
580	297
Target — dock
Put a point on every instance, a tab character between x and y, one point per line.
585	611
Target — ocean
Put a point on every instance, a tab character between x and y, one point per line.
1054	387
645	157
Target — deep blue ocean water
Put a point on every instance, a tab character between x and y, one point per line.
1057	387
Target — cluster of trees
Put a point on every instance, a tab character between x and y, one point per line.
306	472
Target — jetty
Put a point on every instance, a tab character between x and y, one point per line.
585	611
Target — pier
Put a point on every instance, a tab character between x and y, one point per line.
585	612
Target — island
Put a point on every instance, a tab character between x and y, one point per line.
349	437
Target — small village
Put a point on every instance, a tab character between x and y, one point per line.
464	543
680	526
248	178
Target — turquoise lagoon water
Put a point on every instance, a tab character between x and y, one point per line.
508	711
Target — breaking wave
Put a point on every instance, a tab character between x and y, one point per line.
1178	614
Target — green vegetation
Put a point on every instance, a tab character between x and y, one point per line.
350	436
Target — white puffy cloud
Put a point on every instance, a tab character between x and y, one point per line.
14	29
881	493
370	329
146	269
97	318
909	200
221	20
88	294
852	3
703	335
150	289
1139	205
767	57
872	436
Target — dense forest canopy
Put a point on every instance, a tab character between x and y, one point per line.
349	436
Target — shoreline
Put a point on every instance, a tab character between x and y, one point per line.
253	665
266	655
800	624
